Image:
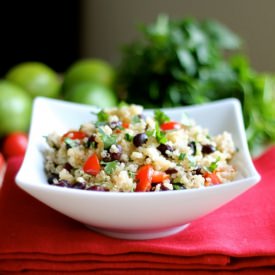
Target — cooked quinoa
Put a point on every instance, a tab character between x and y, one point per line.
126	151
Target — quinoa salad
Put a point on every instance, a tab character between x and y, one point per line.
123	150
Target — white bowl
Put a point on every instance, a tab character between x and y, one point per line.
133	215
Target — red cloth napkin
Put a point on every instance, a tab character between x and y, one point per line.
240	236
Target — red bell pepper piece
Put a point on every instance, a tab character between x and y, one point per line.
74	135
170	125
213	177
144	178
159	176
92	165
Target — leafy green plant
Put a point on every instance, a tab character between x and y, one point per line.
187	61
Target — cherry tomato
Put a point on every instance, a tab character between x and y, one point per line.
15	144
159	176
214	179
74	135
2	168
2	162
92	165
170	125
144	178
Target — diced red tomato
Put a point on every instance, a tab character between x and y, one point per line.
170	125
74	135
159	176
214	179
125	125
144	178
92	165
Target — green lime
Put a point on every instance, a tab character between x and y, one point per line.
36	78
15	108
89	70
92	94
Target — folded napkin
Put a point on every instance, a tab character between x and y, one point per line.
239	237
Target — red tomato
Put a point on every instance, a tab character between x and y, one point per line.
125	125
170	125
159	176
74	135
2	162
2	168
92	165
214	179
15	144
144	178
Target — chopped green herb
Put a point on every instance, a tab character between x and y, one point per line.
110	167
150	133
213	166
102	116
135	119
131	174
160	135
182	156
128	137
178	186
70	143
160	117
108	140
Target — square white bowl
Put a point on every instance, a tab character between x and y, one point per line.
134	215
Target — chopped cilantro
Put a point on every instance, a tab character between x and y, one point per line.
182	156
131	174
128	137
213	166
108	140
70	143
135	119
102	116
150	133
110	167
160	135
160	117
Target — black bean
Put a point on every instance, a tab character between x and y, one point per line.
79	185
140	139
197	171
192	145
91	141
171	171
52	179
163	148
68	166
63	183
164	188
110	156
208	149
117	155
97	188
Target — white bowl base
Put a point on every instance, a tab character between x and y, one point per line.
140	235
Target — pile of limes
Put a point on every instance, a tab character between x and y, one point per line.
87	81
90	81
